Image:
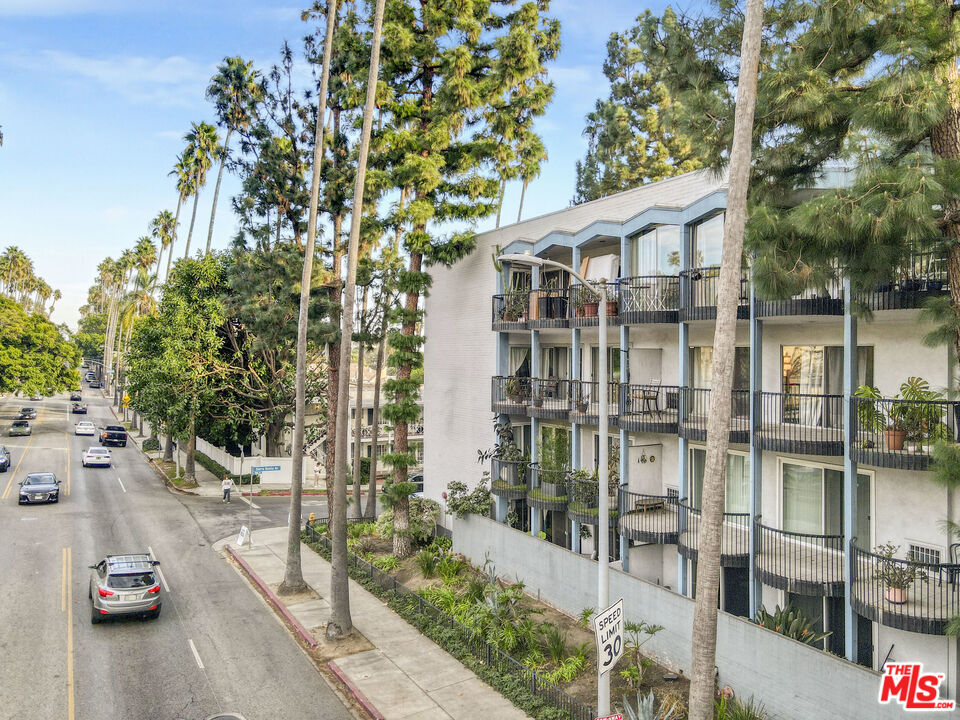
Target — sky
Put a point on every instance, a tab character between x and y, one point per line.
95	96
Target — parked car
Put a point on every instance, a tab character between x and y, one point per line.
75	396
96	457
78	409
96	383
84	427
27	413
113	435
39	488
417	480
124	585
4	459
20	428
36	397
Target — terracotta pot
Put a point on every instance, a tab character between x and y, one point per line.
591	309
611	308
895	439
895	596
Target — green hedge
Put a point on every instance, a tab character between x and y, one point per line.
219	470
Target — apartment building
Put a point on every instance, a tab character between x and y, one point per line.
830	504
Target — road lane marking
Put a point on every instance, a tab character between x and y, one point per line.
6	490
71	704
166	588
121	483
196	655
249	502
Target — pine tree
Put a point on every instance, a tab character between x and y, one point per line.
630	139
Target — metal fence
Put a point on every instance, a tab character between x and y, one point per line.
801	422
492	657
550	398
901	433
649	298
923	275
510	395
803	563
735	535
549	307
695	407
647	518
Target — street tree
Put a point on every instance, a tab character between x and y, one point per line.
34	355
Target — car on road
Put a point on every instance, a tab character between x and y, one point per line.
124	585
4	459
39	488
113	435
75	396
84	427
27	413
417	481
78	409
20	428
96	383
95	457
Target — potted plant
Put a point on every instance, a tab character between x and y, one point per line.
914	416
579	302
896	575
515	307
579	399
591	304
514	390
538	397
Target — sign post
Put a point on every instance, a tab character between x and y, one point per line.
609	626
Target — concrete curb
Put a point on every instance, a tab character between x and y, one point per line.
274	600
355	691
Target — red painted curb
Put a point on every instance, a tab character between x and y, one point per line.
272	597
355	691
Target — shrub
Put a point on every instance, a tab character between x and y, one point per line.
449	567
461	501
792	623
151	444
584	618
424	514
387	563
427	562
554	642
357	530
730	708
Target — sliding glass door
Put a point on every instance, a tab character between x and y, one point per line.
812	501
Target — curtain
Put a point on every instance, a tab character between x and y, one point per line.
645	256
702	366
833	385
738	484
520	361
603	267
698	465
811	383
802	493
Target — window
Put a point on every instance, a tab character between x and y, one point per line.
815	370
812	501
701	366
657	252
554	362
519	362
707	242
613	363
737	496
924	554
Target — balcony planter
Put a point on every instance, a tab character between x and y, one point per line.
611	308
895	596
591	308
896	575
537	400
894	438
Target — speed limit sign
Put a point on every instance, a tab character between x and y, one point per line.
608	626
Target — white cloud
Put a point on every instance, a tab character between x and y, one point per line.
173	80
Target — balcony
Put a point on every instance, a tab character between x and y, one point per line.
900	434
549	308
584	501
734	539
699	288
908	595
508	478
648	518
550	399
585	306
510	311
824	300
649	408
649	299
924	276
801	423
547	489
801	563
585	404
510	395
695	405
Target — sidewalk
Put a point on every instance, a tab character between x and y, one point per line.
406	675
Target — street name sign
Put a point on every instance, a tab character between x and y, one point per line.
266	468
608	626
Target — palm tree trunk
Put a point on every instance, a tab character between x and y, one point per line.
216	189
340	621
293	571
359	414
371	510
193	217
523	194
704	648
173	239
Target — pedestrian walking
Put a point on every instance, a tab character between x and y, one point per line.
226	486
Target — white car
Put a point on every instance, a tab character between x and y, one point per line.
96	456
85	427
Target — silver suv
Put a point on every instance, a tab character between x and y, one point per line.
124	585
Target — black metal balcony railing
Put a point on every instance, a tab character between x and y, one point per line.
649	299
698	290
510	311
584	501
649	408
547	489
585	305
905	594
800	423
801	563
585	402
734	541
508	478
550	399
648	518
826	299
510	395
923	275
695	406
901	433
549	308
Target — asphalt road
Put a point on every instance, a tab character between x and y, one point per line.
215	648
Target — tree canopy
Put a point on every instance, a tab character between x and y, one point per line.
34	354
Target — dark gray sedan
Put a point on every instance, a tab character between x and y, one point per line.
39	488
4	459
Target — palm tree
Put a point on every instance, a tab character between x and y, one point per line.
293	571
162	229
202	146
235	91
181	168
56	297
704	649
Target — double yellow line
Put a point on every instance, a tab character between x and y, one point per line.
66	605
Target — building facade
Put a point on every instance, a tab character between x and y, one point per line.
830	505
